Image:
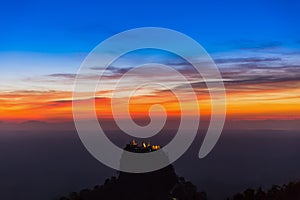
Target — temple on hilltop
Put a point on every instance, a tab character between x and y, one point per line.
162	184
133	146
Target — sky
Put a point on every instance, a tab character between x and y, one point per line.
255	44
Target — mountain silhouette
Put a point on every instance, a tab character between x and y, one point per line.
163	184
290	191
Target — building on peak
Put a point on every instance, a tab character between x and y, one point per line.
133	146
133	143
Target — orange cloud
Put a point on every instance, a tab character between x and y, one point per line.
247	101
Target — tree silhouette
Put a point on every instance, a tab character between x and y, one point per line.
290	191
163	184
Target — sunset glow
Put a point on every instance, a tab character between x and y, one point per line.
270	99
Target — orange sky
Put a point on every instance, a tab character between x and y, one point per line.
265	103
258	87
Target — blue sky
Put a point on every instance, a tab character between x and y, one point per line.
255	44
71	26
39	38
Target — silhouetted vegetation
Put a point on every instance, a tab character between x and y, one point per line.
162	184
115	189
290	191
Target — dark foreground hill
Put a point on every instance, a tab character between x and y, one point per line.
289	191
163	184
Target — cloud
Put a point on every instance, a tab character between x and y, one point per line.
72	76
256	45
254	74
246	60
113	69
63	75
260	77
